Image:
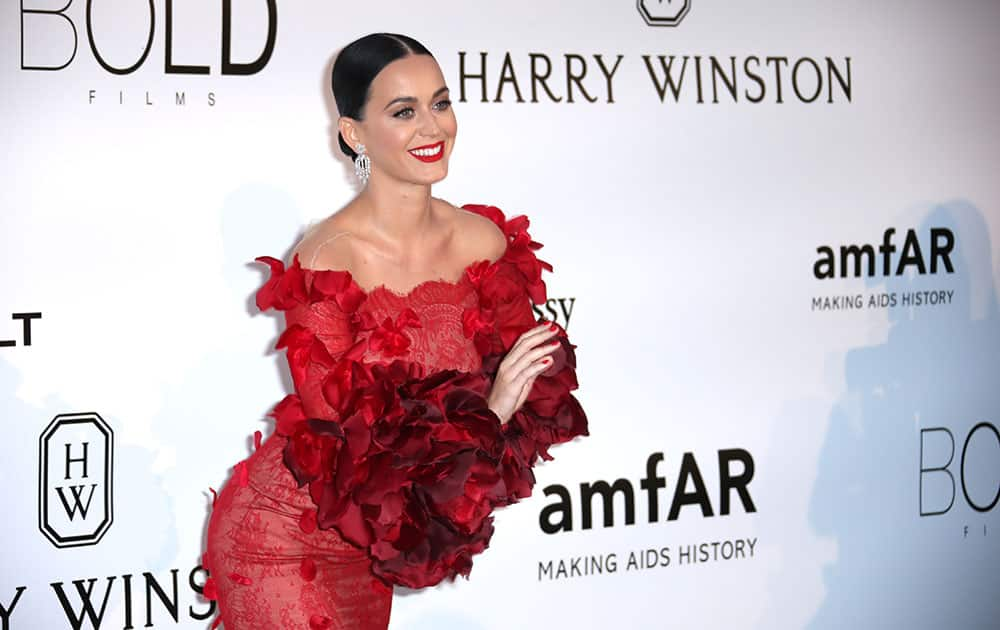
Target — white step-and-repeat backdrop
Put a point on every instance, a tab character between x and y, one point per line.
775	229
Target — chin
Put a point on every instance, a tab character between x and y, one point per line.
428	178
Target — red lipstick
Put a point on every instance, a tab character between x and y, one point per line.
429	152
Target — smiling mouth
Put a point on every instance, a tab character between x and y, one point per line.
428	153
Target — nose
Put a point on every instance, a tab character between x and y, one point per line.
429	126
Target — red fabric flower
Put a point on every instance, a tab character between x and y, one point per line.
287	414
313	449
285	288
477	323
320	622
520	248
307	569
307	521
389	339
210	590
505	294
335	285
479	272
343	378
304	350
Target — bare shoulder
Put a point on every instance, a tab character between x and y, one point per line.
326	244
484	238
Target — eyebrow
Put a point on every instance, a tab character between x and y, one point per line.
412	99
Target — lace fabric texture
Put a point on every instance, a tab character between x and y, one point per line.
272	571
385	463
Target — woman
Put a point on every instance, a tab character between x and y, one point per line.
424	388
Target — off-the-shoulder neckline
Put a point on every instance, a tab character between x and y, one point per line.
463	277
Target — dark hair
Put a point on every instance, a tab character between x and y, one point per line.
356	67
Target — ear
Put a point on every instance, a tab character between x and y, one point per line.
350	129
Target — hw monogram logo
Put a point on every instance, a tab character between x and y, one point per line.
663	12
74	479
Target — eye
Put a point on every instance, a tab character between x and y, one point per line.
406	112
443	104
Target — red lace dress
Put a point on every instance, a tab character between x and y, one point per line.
386	463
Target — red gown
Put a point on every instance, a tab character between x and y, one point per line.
386	463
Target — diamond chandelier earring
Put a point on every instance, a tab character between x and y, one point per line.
362	164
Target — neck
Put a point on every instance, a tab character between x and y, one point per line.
398	212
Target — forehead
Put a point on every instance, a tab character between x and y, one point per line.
413	75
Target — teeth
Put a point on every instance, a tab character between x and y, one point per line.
427	152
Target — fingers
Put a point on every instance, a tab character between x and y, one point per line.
531	343
527	356
523	380
532	374
533	335
516	368
528	353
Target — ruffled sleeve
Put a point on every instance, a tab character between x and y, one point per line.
402	463
320	336
507	289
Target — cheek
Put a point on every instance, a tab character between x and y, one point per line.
449	125
390	141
